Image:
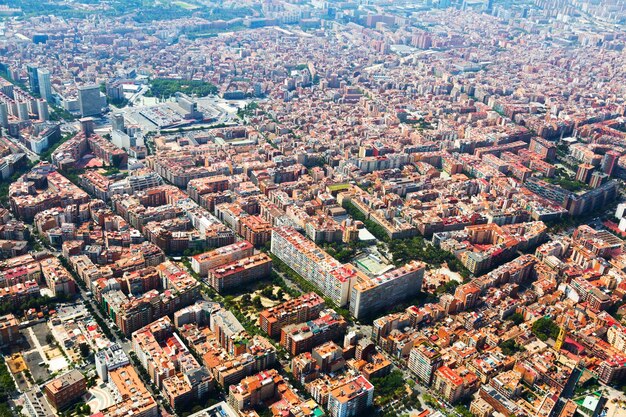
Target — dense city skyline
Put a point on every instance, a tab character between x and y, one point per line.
303	208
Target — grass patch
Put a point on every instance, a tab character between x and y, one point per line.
165	88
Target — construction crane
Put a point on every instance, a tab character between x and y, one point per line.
560	339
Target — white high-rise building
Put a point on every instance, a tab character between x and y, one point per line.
45	87
42	110
22	111
332	277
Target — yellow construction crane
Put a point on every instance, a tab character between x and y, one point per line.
561	337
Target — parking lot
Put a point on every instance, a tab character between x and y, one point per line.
33	360
41	330
38	353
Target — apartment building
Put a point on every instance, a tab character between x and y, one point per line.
270	388
304	368
58	279
63	390
253	390
371	295
110	359
424	360
255	230
208	185
241	272
301	337
27	200
454	384
170	364
297	310
351	399
328	357
202	263
135	399
253	354
198	313
9	330
134	312
229	331
333	278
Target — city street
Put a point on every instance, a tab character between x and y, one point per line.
32	156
